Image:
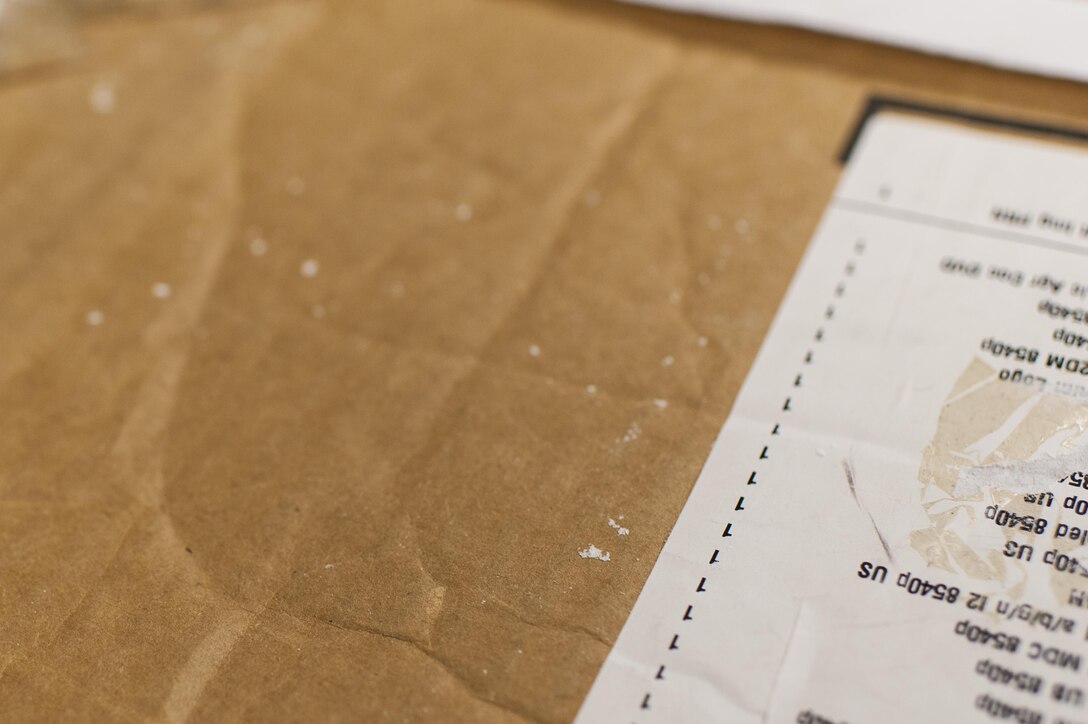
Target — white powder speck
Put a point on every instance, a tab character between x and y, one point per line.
317	311
620	530
594	552
591	389
161	290
534	351
258	246
296	186
95	317
741	226
702	341
330	565
713	222
667	360
463	212
632	433
309	268
592	198
674	296
102	97
661	404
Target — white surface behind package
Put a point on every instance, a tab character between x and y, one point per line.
1037	36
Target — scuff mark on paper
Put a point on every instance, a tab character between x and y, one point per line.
848	469
1020	476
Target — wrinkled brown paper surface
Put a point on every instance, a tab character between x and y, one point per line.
549	239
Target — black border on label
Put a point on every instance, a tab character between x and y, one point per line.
877	103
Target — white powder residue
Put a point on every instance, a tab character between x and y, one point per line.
702	341
741	226
661	404
102	97
667	360
632	433
620	530
161	290
309	268
591	389
396	289
330	565
95	317
674	296
594	552
534	351
463	212
258	246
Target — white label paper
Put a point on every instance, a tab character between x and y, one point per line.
893	523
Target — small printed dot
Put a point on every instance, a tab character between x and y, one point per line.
591	389
258	246
702	341
661	404
667	360
713	222
534	351
296	186
95	317
161	290
592	198
317	311
741	226
102	97
309	268
463	212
